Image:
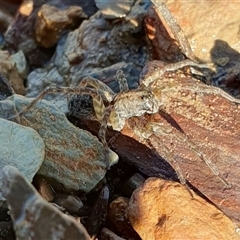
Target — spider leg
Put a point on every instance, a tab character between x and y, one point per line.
103	129
122	81
155	127
171	67
144	134
105	91
175	28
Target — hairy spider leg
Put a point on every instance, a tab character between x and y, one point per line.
171	67
105	91
103	129
175	28
157	129
122	81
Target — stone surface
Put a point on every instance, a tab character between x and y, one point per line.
118	216
213	38
21	147
52	21
114	9
33	217
8	68
74	159
220	22
165	210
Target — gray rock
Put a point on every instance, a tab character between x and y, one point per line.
21	147
33	217
114	9
104	44
74	158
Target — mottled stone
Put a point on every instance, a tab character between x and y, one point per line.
163	209
32	216
21	147
74	158
52	21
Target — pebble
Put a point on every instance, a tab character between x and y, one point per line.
74	159
162	209
29	211
114	9
21	147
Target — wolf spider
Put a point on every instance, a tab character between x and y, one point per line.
113	109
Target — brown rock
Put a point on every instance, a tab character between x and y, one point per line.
51	22
194	125
165	210
118	216
29	211
203	24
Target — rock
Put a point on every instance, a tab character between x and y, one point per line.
114	9
202	32
9	69
21	147
163	209
51	22
29	211
20	34
71	203
135	181
106	234
21	64
98	213
103	50
45	190
74	159
210	39
118	217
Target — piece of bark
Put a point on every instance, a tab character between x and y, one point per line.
163	209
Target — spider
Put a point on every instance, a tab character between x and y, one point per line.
113	109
